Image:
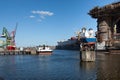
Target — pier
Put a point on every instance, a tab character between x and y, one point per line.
87	52
19	51
23	51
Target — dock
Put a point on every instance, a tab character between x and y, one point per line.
18	52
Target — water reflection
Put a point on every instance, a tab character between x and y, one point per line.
61	65
108	68
87	66
89	70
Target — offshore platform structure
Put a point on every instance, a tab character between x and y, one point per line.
9	44
108	26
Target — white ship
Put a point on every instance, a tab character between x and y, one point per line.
44	50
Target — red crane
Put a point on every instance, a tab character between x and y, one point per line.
10	38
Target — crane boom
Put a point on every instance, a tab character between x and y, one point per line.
5	33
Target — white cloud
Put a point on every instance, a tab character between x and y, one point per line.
45	13
32	16
41	14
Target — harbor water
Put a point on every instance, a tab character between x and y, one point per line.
61	65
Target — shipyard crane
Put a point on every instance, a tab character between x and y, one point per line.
78	34
10	38
5	34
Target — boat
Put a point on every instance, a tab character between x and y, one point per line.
74	42
10	47
44	50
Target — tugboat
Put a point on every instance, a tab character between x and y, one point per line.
44	50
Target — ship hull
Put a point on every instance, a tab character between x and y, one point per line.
68	47
75	45
87	40
44	52
11	47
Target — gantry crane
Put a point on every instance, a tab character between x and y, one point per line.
10	38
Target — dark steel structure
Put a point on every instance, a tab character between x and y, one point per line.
108	24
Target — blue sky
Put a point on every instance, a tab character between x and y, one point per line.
47	21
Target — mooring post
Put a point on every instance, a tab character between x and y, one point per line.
87	52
